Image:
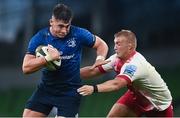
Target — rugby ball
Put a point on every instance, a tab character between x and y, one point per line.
42	51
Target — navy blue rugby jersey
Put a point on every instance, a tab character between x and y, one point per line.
66	79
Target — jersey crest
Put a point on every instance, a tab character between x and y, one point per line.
71	42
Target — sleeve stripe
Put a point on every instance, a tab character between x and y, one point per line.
124	77
101	69
94	40
30	53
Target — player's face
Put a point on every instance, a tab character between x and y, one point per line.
59	28
121	47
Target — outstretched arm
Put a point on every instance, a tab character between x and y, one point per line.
111	85
89	72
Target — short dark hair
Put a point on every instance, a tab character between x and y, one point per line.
62	12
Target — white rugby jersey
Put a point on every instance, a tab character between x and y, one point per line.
142	79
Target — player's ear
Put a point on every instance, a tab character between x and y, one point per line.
129	46
50	21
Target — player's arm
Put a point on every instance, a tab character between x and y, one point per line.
32	64
111	85
101	50
89	72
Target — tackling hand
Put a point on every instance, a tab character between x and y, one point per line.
99	62
85	90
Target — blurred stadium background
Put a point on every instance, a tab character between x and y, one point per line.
156	23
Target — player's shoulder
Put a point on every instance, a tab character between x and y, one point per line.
43	31
138	57
78	30
73	27
137	60
39	36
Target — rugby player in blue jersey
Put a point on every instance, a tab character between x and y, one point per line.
59	88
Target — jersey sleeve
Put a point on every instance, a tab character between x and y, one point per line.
86	38
129	72
109	66
132	71
35	41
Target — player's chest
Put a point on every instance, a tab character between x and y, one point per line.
118	65
65	46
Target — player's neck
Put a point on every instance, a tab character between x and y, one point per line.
129	56
52	33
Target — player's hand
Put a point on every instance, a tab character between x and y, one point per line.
99	62
53	52
86	90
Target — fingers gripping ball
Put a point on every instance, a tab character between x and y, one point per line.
42	51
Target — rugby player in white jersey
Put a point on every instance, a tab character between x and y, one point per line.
147	94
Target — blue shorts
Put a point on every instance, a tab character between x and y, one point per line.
43	102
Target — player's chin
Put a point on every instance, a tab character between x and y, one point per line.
119	55
61	35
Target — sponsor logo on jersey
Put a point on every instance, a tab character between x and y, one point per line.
67	56
130	70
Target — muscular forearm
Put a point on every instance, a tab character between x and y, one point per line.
87	72
108	86
30	66
112	85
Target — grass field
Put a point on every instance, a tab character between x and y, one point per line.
12	101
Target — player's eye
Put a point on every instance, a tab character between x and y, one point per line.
60	26
64	26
